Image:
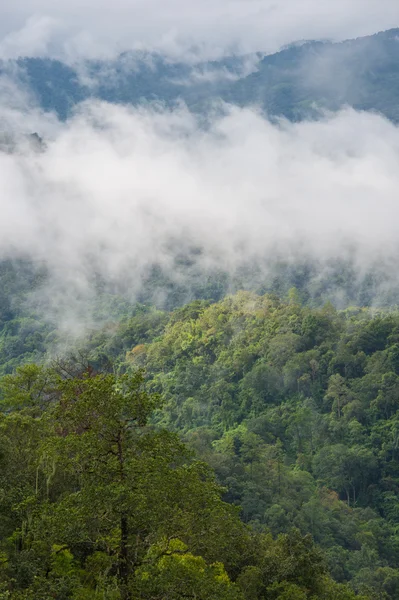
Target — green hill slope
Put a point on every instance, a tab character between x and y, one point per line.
295	408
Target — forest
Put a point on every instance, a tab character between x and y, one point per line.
242	448
199	300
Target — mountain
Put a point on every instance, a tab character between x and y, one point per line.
297	82
301	80
218	437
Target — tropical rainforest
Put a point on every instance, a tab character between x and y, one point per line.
241	448
238	440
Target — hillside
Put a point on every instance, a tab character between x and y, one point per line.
294	408
296	82
199	327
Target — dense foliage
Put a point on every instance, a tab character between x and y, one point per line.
95	503
239	448
293	408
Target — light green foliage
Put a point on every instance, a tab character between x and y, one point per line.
173	572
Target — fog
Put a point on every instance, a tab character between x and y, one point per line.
116	190
96	29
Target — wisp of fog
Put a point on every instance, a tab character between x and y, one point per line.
116	190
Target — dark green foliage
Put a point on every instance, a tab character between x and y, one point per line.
296	410
96	503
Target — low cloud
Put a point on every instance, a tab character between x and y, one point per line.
182	28
117	190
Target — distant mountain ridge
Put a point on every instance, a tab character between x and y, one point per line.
298	82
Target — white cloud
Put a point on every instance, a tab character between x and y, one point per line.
91	28
118	189
34	38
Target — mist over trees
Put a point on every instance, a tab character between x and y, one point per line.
199	323
299	82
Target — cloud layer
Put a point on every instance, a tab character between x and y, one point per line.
75	29
117	190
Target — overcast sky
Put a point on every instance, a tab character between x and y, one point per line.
93	27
